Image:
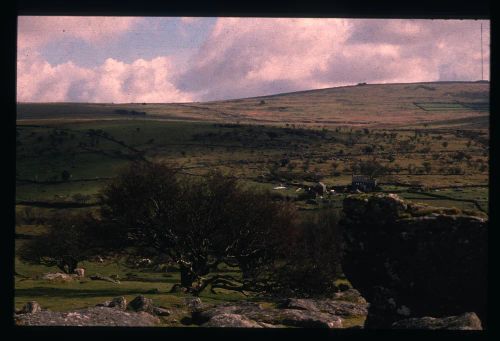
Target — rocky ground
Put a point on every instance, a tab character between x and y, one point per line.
309	313
95	316
417	267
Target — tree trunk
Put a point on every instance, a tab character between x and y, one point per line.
187	277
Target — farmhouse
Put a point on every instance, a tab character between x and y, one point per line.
363	183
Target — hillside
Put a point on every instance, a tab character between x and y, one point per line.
454	104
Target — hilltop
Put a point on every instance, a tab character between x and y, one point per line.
436	104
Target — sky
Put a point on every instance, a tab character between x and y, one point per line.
195	59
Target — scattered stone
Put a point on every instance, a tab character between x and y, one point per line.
104	278
117	303
80	272
159	311
194	304
467	321
95	316
141	303
31	307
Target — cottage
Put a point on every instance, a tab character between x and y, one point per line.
363	183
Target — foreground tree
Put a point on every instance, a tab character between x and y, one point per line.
199	224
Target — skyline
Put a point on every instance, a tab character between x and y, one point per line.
186	59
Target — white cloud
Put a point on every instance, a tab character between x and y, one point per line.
113	81
35	31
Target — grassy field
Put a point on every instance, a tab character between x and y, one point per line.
435	157
261	156
376	105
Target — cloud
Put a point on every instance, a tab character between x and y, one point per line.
256	56
245	57
35	31
113	81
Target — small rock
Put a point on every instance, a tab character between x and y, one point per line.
159	311
118	303
193	303
32	307
141	303
80	272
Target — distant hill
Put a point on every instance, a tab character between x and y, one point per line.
375	105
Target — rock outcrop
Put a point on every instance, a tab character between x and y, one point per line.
291	312
467	321
412	261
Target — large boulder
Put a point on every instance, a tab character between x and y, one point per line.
413	263
467	321
254	314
